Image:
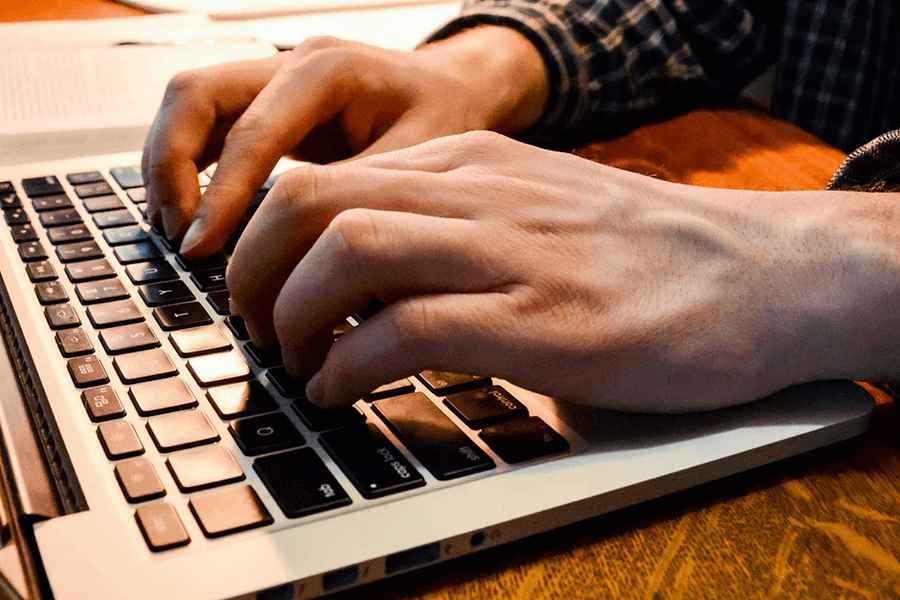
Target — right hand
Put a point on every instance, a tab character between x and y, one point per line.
326	100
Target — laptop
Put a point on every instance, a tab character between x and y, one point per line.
151	451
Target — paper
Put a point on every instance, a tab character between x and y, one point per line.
240	9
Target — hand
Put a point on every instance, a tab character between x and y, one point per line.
327	100
563	276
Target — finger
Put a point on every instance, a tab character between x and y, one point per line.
366	255
447	332
194	103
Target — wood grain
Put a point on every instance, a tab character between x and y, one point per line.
45	10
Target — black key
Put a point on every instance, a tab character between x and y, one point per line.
264	357
198	264
317	419
100	291
88	177
238	327
265	433
485	406
396	388
137	195
161	527
73	342
300	483
220	302
50	292
241	400
139	480
109	314
40	271
24	233
125	235
68	234
210	280
119	439
285	384
374	466
523	439
229	510
114	218
181	316
218	369
91	190
432	437
204	468
199	340
164	395
169	292
16	216
87	371
180	430
51	203
442	383
134	253
102	204
89	270
127	177
42	186
102	403
58	218
7	187
78	251
128	338
61	316
154	271
32	251
144	366
9	200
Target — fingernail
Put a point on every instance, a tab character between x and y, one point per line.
315	389
171	219
192	237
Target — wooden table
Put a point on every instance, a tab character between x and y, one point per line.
818	526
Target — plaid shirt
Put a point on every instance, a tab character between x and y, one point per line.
612	63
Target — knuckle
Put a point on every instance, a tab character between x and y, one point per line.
479	142
247	127
356	236
300	189
317	43
183	84
412	325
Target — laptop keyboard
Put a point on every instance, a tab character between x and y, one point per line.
122	305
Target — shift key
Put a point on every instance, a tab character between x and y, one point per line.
432	437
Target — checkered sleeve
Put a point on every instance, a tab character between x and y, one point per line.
612	62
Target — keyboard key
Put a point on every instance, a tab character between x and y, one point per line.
127	177
16	216
374	466
154	271
32	251
128	338
7	187
137	195
9	200
114	218
229	510
100	291
216	369
198	264
93	189
264	357
88	177
51	203
523	439
68	234
286	385
119	439
397	388
317	419
59	218
220	302
42	186
144	366
87	371
61	316
432	437
109	314
180	430
238	327
161	526
139	480
134	253
241	400
265	433
485	406
204	468
210	280
102	403
78	251
40	271
199	340
300	483
50	292
73	342
102	203
442	383
24	233
169	292
89	270
164	395
125	235
181	316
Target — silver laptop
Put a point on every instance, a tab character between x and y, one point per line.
151	451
